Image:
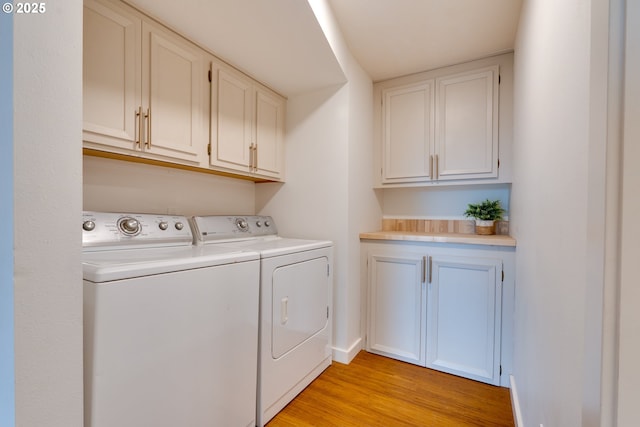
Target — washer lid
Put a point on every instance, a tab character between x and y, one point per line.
105	266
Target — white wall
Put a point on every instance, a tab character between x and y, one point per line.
629	374
557	211
117	186
328	194
48	190
364	212
440	202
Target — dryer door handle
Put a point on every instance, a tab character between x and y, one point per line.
284	314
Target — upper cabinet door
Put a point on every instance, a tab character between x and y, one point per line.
269	133
407	135
111	75
467	125
247	125
174	95
231	119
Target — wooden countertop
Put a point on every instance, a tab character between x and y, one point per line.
470	239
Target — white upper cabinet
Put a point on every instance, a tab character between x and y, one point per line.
444	126
269	133
150	95
231	119
247	125
173	95
408	132
111	75
144	87
467	126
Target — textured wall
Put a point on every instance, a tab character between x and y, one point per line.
47	206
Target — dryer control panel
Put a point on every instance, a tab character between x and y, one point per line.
221	227
111	230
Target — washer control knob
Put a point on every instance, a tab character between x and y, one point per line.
179	226
163	225
88	225
267	223
129	226
259	223
242	224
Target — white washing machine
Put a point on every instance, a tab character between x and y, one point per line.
296	279
170	329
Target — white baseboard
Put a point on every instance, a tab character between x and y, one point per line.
515	403
346	356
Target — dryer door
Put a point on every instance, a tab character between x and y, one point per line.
300	298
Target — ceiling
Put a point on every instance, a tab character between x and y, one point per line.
391	38
280	43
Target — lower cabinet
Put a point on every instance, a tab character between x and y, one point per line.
397	307
441	306
464	316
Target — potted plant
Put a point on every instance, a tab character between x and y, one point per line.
486	214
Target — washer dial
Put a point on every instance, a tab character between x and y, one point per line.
242	224
129	226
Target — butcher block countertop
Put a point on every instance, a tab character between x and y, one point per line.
411	236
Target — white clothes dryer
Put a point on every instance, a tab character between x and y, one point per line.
296	280
170	329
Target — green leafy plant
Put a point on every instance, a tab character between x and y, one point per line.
488	210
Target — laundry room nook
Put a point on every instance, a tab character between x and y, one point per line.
318	212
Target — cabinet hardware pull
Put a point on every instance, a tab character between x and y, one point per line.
431	166
437	168
251	156
147	118
424	269
430	268
137	126
255	157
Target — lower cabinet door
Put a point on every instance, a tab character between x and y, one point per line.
397	307
464	320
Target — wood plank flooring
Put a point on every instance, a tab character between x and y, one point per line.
375	391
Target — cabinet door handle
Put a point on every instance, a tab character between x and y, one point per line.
437	166
255	157
137	126
147	118
430	267
424	269
431	166
251	157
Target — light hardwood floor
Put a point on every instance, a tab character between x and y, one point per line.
375	391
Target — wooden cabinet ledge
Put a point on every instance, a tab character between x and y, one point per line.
472	239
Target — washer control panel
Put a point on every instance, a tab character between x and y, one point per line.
111	230
221	227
